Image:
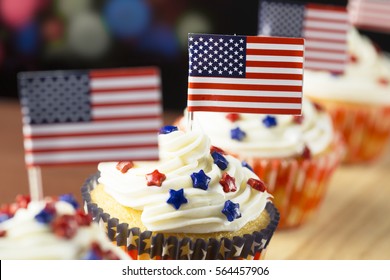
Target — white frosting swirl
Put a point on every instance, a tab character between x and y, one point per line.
26	238
286	139
181	155
360	81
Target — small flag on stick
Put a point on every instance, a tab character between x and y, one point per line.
324	28
370	14
245	74
74	117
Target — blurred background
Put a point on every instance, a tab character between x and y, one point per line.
85	34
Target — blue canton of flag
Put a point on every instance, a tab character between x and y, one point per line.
281	18
217	56
57	98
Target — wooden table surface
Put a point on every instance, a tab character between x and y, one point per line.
352	223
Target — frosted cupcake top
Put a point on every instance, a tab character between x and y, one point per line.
194	188
52	230
366	78
268	136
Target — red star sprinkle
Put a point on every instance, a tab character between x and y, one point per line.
257	184
228	183
298	119
232	117
216	149
306	154
65	226
82	218
383	81
353	58
3	233
124	166
155	178
318	107
23	200
107	255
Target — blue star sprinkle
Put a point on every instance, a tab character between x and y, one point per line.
237	134
270	121
245	164
220	160
70	199
92	255
176	198
168	129
46	215
3	218
231	210
200	180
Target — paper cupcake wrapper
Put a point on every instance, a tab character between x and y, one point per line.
146	245
298	185
366	129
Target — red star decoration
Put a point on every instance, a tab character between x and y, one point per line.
353	58
232	117
298	119
257	184
83	219
306	154
383	81
155	178
124	166
318	107
65	226
216	149
228	183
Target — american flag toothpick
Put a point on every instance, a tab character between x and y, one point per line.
370	14
245	74
84	117
324	28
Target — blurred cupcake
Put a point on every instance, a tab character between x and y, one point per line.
358	100
52	230
195	203
294	155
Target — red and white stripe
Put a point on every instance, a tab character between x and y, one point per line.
273	82
370	14
325	30
126	116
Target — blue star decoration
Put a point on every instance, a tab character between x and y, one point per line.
176	198
245	164
92	255
200	180
237	134
220	160
270	121
70	199
168	129
231	210
46	215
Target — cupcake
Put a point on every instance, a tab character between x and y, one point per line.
52	230
195	203
358	100
294	155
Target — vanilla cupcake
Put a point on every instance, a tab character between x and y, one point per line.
195	203
52	230
294	155
358	100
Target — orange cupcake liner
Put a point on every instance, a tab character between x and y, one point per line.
298	185
365	129
146	245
